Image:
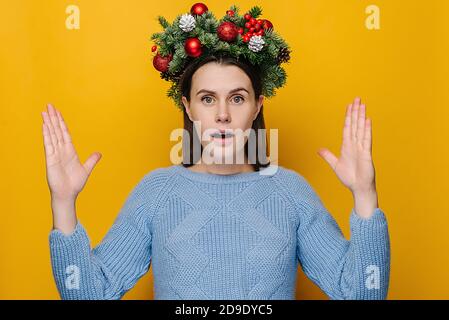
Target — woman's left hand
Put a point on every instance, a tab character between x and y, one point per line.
355	168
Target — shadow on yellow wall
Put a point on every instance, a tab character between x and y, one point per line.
102	79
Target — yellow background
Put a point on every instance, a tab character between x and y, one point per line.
102	79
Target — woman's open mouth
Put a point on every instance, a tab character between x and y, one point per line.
222	137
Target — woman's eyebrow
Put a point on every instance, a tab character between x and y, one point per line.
213	92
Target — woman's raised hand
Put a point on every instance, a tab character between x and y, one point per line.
355	168
66	175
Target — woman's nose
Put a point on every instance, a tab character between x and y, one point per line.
223	115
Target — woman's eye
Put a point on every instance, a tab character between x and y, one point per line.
207	99
239	99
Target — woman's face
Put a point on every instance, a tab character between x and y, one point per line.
222	99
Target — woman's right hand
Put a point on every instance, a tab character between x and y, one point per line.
66	175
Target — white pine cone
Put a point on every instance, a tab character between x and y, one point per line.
187	22
256	43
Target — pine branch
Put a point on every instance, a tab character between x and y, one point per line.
235	8
155	36
163	22
255	12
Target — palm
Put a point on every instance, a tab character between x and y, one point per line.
66	176
65	173
355	167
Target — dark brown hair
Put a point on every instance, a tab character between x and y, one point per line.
259	123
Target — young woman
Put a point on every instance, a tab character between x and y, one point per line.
225	223
221	231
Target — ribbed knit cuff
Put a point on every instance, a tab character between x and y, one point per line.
370	235
371	249
71	241
70	256
367	227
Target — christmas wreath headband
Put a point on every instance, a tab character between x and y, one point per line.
198	34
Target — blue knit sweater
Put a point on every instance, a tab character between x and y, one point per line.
210	236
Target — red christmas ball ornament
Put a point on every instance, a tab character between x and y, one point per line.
193	47
253	21
227	31
241	30
198	9
267	25
230	13
247	25
247	17
161	63
246	38
154	48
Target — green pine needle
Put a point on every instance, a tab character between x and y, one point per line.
235	8
163	22
255	12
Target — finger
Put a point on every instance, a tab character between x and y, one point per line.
347	126
329	157
54	139
354	114
64	129
367	140
55	122
361	123
92	161
48	145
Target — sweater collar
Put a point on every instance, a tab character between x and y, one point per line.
223	178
